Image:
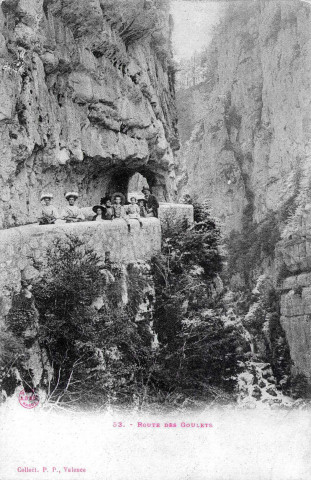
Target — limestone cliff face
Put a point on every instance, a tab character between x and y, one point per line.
247	142
246	146
86	100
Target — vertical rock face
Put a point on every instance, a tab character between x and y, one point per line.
86	100
293	258
250	144
246	146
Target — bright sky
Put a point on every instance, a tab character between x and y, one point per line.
193	23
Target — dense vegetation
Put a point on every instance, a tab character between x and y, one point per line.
257	241
197	349
98	356
99	347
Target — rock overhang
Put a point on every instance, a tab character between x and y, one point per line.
80	100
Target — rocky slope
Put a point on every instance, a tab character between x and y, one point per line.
86	100
246	146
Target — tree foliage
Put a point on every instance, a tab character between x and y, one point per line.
99	355
198	350
135	19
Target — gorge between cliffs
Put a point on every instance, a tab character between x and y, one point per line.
209	302
244	120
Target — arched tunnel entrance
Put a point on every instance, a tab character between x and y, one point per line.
129	181
94	181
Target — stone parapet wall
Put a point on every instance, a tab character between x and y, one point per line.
23	249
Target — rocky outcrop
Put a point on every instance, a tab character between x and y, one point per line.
257	387
293	258
249	148
296	320
86	100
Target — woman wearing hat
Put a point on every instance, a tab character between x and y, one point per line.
118	201
99	211
72	213
133	210
142	207
49	214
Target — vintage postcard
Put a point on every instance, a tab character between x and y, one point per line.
155	239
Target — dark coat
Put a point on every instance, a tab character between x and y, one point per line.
152	203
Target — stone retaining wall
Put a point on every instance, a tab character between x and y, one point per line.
23	249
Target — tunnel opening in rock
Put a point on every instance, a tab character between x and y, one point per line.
129	181
137	182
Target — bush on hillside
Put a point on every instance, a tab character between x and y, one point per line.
197	350
98	356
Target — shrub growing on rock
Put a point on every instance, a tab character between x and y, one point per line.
98	353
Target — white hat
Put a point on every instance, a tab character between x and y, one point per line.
46	195
71	194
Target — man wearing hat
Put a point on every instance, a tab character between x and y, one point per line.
72	213
49	213
152	203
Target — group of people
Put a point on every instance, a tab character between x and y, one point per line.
110	208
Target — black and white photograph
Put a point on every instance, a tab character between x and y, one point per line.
155	239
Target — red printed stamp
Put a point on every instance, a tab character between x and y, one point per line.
28	400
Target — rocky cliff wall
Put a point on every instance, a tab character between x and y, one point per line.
293	260
246	146
86	100
249	148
